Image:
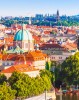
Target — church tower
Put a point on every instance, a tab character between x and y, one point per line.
57	16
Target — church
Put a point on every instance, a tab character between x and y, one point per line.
23	39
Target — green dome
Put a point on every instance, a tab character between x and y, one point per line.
23	35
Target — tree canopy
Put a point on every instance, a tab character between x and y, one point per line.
6	93
70	70
27	86
2	78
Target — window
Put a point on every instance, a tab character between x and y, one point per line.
60	57
10	47
53	57
7	63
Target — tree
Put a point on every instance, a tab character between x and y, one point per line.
46	82
70	69
47	66
48	73
3	78
27	86
6	93
22	89
20	82
17	76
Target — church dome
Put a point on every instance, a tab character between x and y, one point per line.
23	35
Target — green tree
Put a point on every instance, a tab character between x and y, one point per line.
2	78
22	89
48	73
47	66
46	82
27	86
70	69
6	93
20	82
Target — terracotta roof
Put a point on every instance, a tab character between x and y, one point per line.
19	68
0	55
36	38
13	57
36	55
9	39
31	56
71	31
48	45
74	45
70	46
47	32
1	46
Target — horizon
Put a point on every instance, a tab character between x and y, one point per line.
30	8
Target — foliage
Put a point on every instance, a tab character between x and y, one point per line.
53	32
17	76
70	70
6	93
48	73
2	78
21	87
27	86
47	66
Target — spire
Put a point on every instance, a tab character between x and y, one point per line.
57	16
57	12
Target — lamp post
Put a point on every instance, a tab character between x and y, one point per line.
77	86
60	93
45	94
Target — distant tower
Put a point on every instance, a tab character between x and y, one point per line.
30	20
57	16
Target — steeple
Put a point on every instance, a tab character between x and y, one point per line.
57	16
57	12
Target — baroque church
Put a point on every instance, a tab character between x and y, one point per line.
23	39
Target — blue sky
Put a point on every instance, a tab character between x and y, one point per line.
31	7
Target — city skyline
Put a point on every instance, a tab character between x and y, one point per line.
32	7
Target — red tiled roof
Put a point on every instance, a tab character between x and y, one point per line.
74	45
70	46
37	38
71	31
9	70
46	32
35	55
19	68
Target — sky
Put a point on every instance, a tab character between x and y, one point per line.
32	7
